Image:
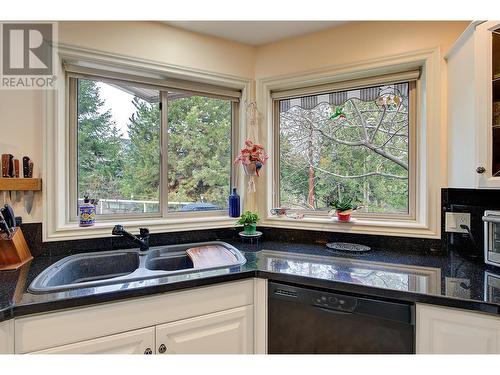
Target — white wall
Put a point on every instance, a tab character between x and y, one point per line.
21	135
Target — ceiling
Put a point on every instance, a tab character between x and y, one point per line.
255	32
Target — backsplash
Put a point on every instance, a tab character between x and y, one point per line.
33	234
474	201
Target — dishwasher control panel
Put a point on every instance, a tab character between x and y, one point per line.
332	301
335	302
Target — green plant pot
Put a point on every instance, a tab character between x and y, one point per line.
249	228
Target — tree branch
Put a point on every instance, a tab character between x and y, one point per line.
378	125
368	174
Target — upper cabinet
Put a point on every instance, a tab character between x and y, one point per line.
474	107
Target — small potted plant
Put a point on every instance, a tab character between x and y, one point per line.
343	209
249	221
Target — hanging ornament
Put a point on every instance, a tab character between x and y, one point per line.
252	157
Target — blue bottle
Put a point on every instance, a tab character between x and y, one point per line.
234	204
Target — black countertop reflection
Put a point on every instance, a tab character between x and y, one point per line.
425	276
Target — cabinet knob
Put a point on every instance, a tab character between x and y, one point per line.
480	170
148	351
162	349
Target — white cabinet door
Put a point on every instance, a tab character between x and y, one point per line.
141	341
470	139
224	332
451	331
7	337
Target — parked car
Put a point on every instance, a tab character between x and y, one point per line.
200	207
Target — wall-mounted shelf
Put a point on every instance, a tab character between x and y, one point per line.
16	184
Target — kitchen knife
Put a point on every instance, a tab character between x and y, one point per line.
28	173
11	172
5	172
16	175
4	227
8	216
5	165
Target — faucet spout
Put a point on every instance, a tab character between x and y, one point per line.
142	239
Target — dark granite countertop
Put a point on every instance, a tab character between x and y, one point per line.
423	276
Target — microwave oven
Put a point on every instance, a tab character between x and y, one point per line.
491	221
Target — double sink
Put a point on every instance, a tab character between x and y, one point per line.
120	266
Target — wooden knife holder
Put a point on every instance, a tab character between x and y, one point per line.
14	252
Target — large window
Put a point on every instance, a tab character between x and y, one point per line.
354	144
146	150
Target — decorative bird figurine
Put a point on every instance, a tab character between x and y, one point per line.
339	112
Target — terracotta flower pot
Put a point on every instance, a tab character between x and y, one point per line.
343	217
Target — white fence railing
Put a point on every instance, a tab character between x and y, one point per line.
118	206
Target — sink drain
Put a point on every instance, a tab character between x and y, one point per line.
349	247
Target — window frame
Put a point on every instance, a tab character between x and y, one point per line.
71	94
431	171
346	86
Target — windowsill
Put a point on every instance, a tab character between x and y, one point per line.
72	231
400	228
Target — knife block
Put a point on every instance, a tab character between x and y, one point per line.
14	252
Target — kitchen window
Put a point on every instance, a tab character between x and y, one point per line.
148	150
352	140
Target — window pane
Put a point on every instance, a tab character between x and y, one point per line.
199	153
346	145
118	147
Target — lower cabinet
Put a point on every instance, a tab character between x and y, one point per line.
141	341
451	331
225	332
7	337
215	319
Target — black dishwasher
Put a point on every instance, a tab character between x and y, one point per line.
307	321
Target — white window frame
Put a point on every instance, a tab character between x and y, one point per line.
429	172
59	163
351	85
163	193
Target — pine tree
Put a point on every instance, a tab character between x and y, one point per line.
142	178
199	150
100	161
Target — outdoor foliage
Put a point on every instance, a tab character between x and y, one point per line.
111	166
199	150
100	147
357	150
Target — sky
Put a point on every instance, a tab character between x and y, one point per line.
120	105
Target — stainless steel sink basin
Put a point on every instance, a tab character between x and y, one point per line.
95	269
173	262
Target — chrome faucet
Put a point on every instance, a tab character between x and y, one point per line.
142	239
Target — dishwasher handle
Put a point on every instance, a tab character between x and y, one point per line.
332	311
